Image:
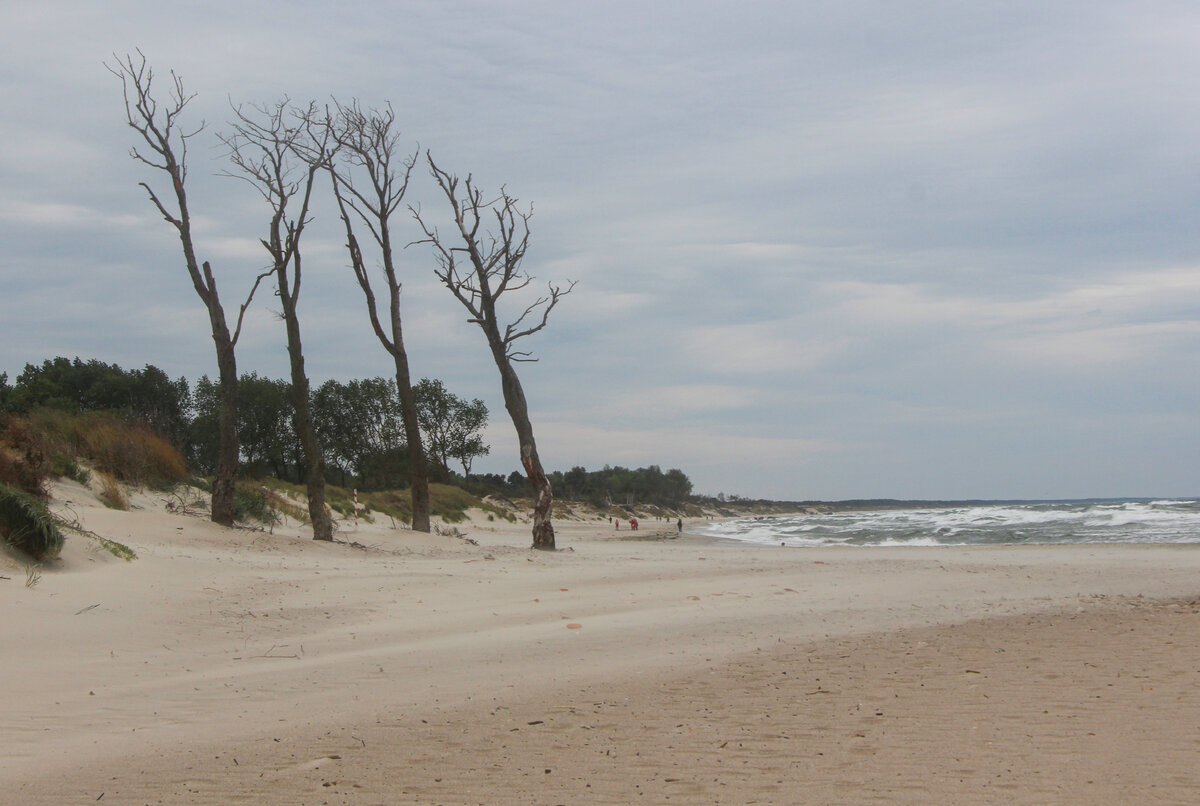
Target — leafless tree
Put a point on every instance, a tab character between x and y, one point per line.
491	269
165	149
278	151
370	179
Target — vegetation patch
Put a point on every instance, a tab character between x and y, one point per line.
396	504
65	467
254	503
119	550
22	456
129	452
26	524
282	497
112	494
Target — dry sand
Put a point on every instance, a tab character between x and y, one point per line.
231	666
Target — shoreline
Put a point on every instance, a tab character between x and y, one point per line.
413	658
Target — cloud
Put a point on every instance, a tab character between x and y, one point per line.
1122	316
773	347
64	215
1100	348
800	229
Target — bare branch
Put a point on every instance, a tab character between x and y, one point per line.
546	304
237	331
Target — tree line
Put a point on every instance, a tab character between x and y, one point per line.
285	152
359	424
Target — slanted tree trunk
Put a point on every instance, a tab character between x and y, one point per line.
518	410
495	268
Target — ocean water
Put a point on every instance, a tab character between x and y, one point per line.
1142	521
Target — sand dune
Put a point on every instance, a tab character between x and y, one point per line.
233	666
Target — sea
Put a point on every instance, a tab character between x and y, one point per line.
974	524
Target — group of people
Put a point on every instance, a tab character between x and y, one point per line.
633	523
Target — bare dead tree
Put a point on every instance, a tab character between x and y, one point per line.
278	150
370	181
165	149
492	268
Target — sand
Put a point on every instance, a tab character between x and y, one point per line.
234	666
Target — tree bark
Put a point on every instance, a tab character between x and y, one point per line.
418	466
224	483
314	461
518	411
543	495
265	147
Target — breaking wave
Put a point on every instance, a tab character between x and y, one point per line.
1141	521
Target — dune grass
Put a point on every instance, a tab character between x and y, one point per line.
112	494
27	524
129	452
446	502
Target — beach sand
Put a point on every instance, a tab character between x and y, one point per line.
234	666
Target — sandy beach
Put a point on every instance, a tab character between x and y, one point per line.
237	666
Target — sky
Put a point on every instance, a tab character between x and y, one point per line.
822	250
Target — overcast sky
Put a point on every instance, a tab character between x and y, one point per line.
823	250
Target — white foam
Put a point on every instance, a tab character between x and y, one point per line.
1162	521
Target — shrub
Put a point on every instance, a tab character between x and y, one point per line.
284	498
22	456
26	523
250	503
17	473
135	455
65	467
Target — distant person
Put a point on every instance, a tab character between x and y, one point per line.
679	524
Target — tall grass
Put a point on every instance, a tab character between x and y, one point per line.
22	456
26	524
446	502
130	453
112	494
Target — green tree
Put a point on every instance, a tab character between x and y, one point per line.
268	441
451	425
357	421
266	420
146	396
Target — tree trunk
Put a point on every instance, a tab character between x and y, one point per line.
418	464
313	461
518	410
228	449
